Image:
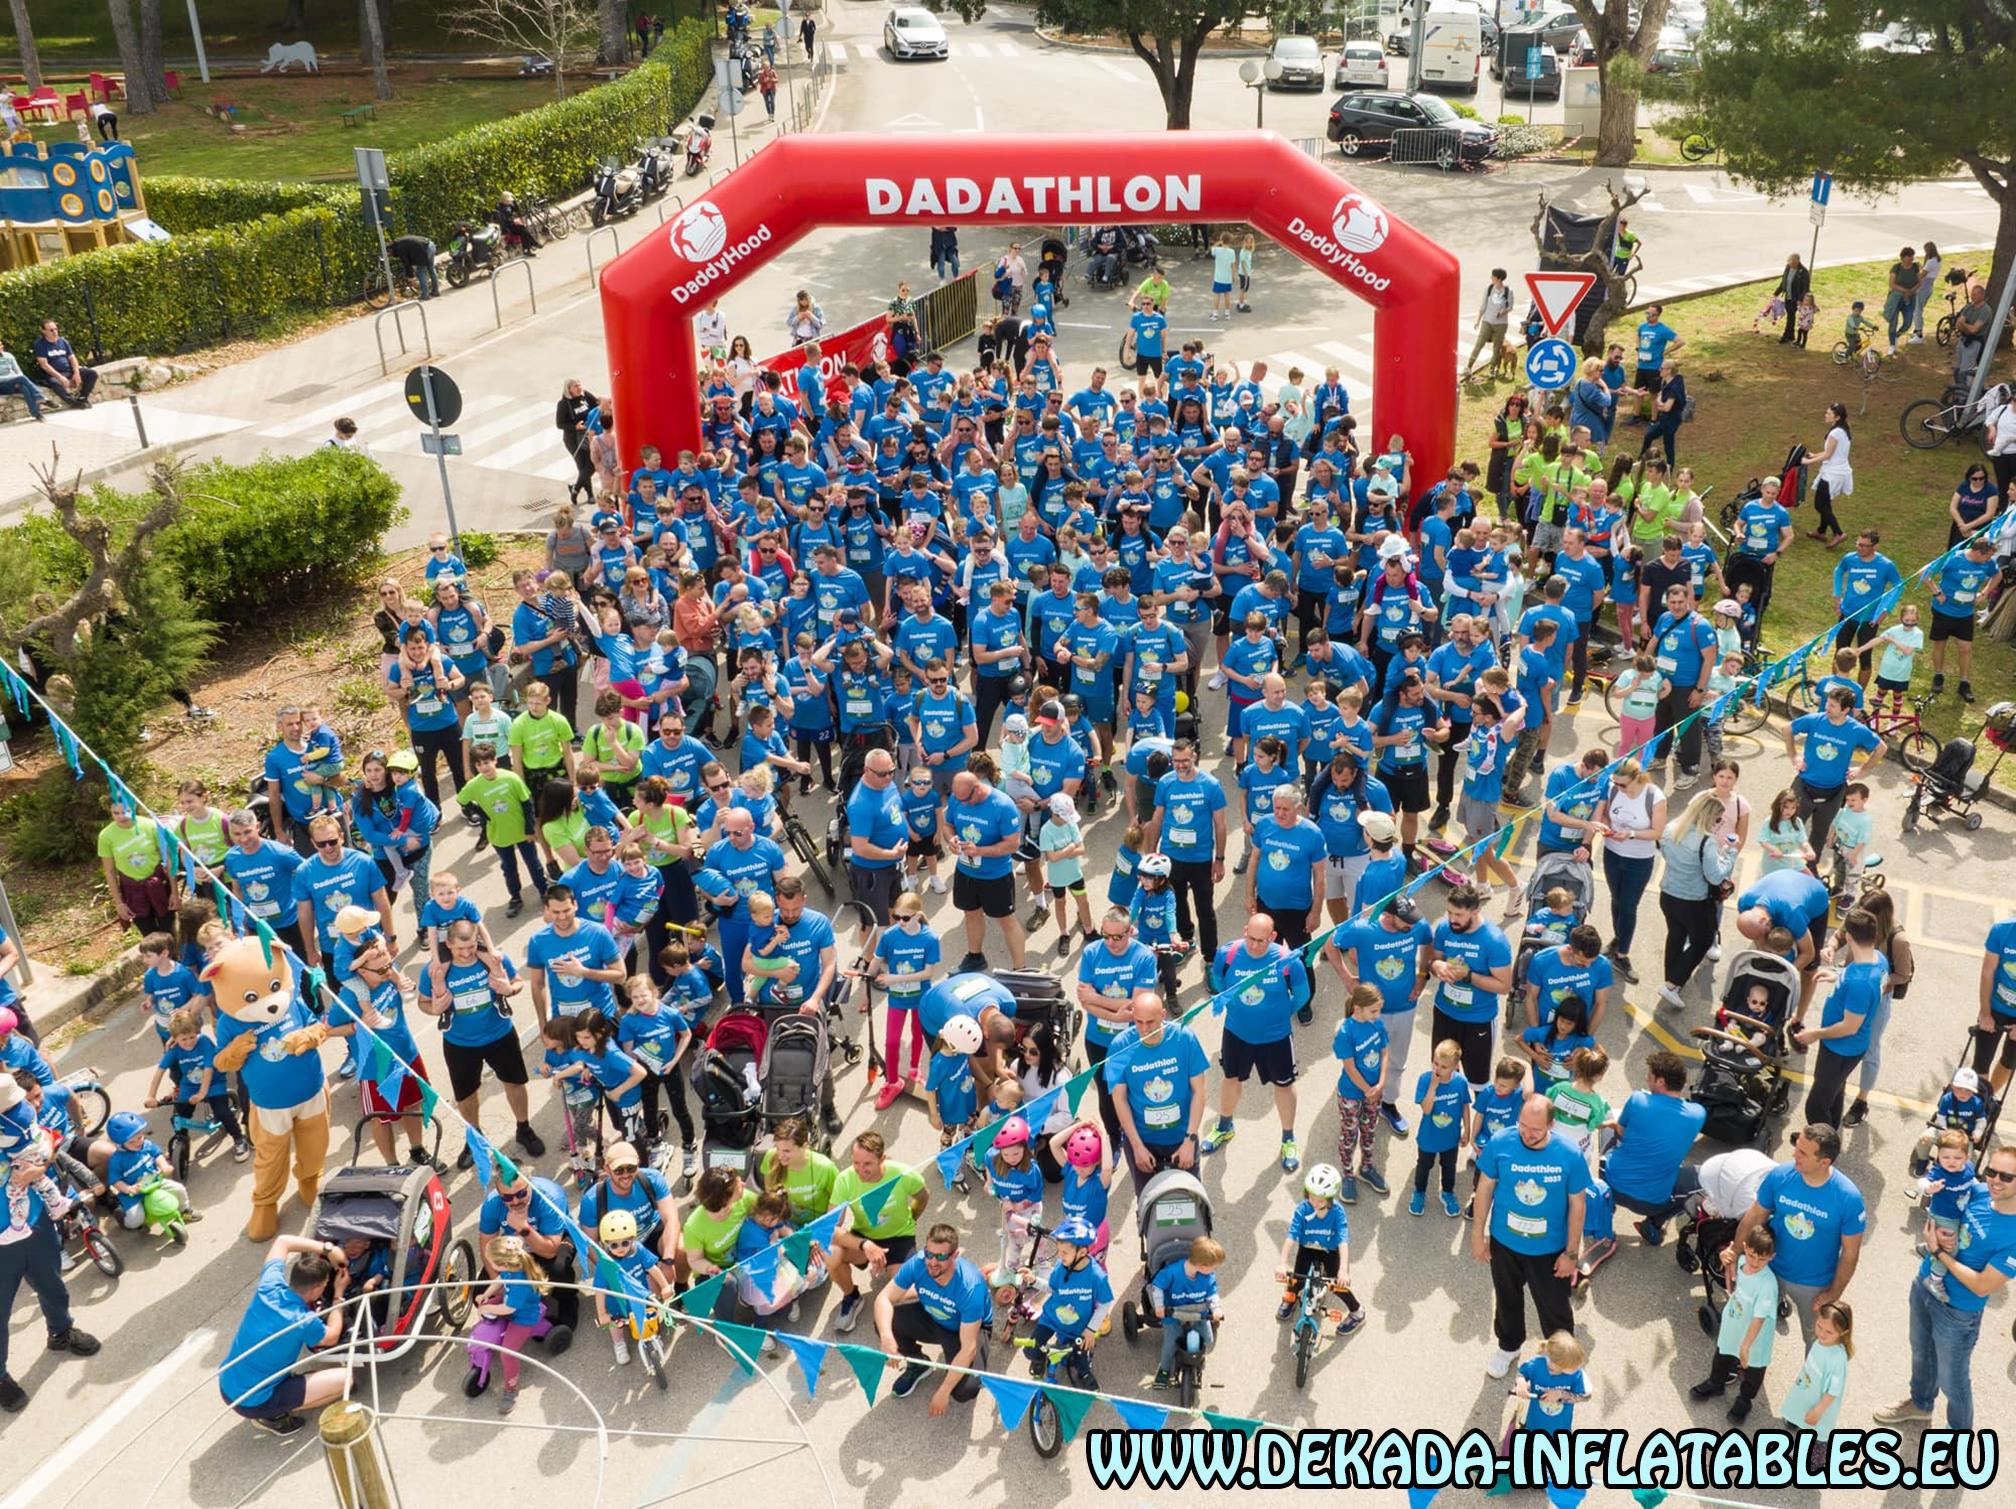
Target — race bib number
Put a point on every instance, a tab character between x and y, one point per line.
470	1000
1526	1226
1667	664
427	706
1161	1116
1182	835
1458	995
857	707
265	908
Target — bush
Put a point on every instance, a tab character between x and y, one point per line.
480	550
1511	120
186	205
1468	112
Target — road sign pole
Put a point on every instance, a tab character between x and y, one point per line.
441	461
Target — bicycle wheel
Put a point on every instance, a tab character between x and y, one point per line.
178	1156
1630	289
556	225
1127	351
1609	705
90	1107
102	1253
1944	333
1694	146
1918	750
1045	1431
581	217
377	293
1840	353
1305	1352
457	1278
1927	424
1746	717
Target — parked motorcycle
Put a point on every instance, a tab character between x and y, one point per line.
619	191
698	141
476	248
654	167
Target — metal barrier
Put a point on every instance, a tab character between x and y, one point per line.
669	199
950	312
496	305
588	245
1310	146
394	310
1439	145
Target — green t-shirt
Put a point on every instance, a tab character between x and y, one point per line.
205	835
897	1221
502	797
571	829
596	745
1664	504
712	1236
136	851
1532	471
808	1188
543	740
1577	1113
671	824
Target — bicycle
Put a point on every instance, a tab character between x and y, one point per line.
90	1106
541	214
799	837
1307	1329
1905	732
644	1320
80	1225
1865	356
1949	322
206	1126
1695	147
1929	423
1046	1431
1169	959
378	294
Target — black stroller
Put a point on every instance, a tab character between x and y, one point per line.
728	1083
1553	871
1951	785
1054	255
1743	1082
1728	1188
793	1072
1040	997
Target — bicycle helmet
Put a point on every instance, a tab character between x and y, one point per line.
1084	1148
1153	867
1077	1231
1322	1182
1074	706
8	1020
961	1034
124	1126
1014	1132
1018	687
617	1226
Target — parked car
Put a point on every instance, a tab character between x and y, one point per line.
1510	63
1366	122
1557	27
1361	65
1302	63
1673	54
1580	51
913	32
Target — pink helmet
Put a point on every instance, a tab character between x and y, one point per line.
1014	1133
8	1020
1084	1148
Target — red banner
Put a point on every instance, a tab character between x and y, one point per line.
866	341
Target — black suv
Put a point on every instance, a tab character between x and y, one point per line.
1366	119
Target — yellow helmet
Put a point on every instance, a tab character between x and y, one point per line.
617	1226
1182	702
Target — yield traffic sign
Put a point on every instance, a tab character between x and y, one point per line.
1555	295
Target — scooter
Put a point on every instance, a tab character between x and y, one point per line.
618	192
654	168
698	139
476	248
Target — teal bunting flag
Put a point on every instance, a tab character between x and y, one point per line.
703	1296
1012	1396
1072	1407
867	1364
1240	1423
876	1200
744	1343
811	1354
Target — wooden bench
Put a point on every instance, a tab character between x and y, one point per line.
357	114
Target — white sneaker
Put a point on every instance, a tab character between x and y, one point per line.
1500	1363
1917	340
620	1347
1668	996
1714	953
1217	682
935	883
771	1347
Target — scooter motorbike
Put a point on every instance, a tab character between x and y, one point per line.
619	192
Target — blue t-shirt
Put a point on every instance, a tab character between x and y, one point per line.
1653	338
1284	860
2001	942
1577	796
877	817
1809	1223
1495	1112
1186	807
961	1298
351	881
1830	748
906	953
277	1329
1557	979
1157	1080
1529	1208
1363	1044
1960	583
265	879
1540	1377
962	995
1386	959
1484	949
746	870
1182	1289
1073	1298
589	944
1325	1233
1760	526
1793	899
474	1019
1985	1242
652	1038
1442	1120
169	993
987	821
1148	327
1111	974
1265	991
1858	991
646	1190
1657	1131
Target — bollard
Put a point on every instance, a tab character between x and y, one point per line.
358	1467
139	423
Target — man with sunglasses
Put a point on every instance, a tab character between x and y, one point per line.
937	1298
1818	1216
747	864
534	1211
678	758
333	878
643	1192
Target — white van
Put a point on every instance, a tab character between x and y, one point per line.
1452	50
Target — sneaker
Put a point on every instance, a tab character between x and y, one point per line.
1394	1120
1450	1207
1217	1137
972	964
69	1260
77	1343
1650	1232
347	1071
1966	692
1686	780
771	1346
1938	682
621	1348
1904	1412
1290	1159
1917	340
281	1425
240	1150
507	1401
907	1381
1707	1389
533	1144
1374	1180
13	1397
1245	863
1036	918
1439	818
889	1094
1669	997
1064	946
1285	1309
1164	1381
850	1312
1351	1322
1856	1114
1500	1363
1913	1191
514	906
689	1162
1306	1015
1623	967
466	1159
1216	684
1515	905
935	884
1739	1410
1714	953
1347	1191
1417	1202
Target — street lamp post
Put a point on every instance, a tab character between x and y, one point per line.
1257	77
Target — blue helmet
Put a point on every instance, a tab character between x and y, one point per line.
124	1126
1076	1230
711	883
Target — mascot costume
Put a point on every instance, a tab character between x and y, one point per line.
264	1029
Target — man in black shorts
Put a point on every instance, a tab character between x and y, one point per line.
477	1034
877	836
983	828
1953	597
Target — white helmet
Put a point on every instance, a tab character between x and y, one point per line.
1322	1182
1153	867
961	1034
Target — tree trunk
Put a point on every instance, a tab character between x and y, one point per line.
295	16
371	41
139	98
1175	105
1616	124
613	47
156	73
24	34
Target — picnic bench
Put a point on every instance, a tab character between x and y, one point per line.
357	114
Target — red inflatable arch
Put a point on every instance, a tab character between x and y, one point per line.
651	293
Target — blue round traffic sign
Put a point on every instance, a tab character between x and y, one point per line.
1551	363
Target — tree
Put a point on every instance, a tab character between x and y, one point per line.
153	71
1622	52
139	99
1786	89
538	28
612	45
1597	260
371	42
24	36
1167	35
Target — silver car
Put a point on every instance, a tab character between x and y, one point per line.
1361	65
1301	63
913	32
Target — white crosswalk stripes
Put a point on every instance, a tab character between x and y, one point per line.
317	419
958	47
498	432
1347	355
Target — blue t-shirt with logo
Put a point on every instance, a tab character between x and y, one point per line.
1187	806
1529	1207
1157	1079
1809	1223
1363	1044
1830	748
1484	949
961	1298
1657	1132
1441	1126
1111	974
1283	859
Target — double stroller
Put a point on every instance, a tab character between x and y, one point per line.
1743	1081
1040	998
1552	872
754	1072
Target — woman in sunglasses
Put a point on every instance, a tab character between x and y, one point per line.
1975	502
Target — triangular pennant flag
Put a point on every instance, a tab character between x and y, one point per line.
1239	1423
1038	1111
876	1200
608	1276
867	1364
797	1249
378	1060
1565	1498
1139	1414
745	1343
1012	1395
760	1267
702	1297
483	1154
1421	1498
1074	1088
948	1164
430	1099
393	1084
1650	1498
507	1171
811	1354
1071	1407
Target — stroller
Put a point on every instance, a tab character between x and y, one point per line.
1951	784
1041	998
405	1215
1172	1212
1054	255
793	1072
1563	871
727	1081
1728	1188
1743	1082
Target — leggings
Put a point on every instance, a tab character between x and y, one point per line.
444	743
1357	1125
892	1044
583	455
674	1084
1626	875
1823	509
1691	929
1425	1160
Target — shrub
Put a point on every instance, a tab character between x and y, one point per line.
1468	112
480	550
186	205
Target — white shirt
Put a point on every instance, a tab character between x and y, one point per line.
1835	471
1628	811
2003	441
711	325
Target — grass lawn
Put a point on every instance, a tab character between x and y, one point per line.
1755	398
293	125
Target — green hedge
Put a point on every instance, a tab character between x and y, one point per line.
249	535
250	257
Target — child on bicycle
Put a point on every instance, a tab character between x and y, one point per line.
638	1266
1190	1282
515	1307
1077	1298
1014	1179
1319	1241
1858	331
189	1063
136	1164
657	1037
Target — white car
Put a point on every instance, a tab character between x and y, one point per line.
1361	65
913	32
1301	63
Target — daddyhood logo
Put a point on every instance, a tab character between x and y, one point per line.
700	235
1358	227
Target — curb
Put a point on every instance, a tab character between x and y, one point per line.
55	1000
1058	39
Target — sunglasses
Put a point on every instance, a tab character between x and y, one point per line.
518	1199
2000	1176
328	843
938	1257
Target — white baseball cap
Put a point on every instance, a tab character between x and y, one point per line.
1966	1079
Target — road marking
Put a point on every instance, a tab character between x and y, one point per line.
513	457
1012	50
837	51
33	1488
1686	1049
1286	359
1699	193
972	49
1351	356
316	418
912	122
409	439
1108	66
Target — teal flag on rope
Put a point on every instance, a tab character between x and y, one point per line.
867	1364
811	1354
